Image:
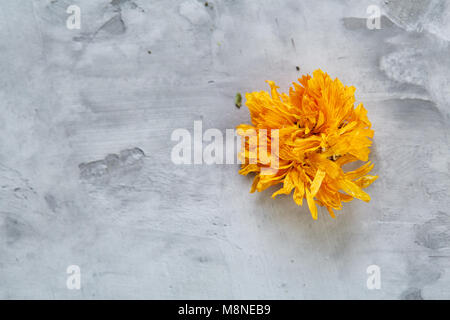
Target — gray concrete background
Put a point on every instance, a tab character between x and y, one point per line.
141	227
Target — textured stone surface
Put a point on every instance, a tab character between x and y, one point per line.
85	170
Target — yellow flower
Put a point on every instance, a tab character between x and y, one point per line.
316	130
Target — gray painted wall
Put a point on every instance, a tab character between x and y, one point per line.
85	170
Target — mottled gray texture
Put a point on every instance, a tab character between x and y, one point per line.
85	170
